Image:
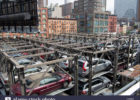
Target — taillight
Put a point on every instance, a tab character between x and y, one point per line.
84	92
70	79
66	64
5	81
84	67
42	57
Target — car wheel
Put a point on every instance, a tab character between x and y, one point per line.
108	85
65	85
34	95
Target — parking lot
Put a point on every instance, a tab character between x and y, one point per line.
65	64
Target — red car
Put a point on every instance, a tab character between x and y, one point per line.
50	83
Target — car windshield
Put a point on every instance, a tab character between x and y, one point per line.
96	61
28	82
50	79
24	61
32	70
80	64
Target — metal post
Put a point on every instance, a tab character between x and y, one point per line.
85	39
22	81
76	76
129	52
76	39
69	39
133	42
90	74
115	67
10	74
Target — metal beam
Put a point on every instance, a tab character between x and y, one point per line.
48	63
27	50
23	46
35	55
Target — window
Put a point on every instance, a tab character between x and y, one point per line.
97	16
43	10
32	70
96	23
106	23
96	30
80	64
48	80
44	21
101	23
106	16
44	16
44	26
96	82
101	29
102	16
87	86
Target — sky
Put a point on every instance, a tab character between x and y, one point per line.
110	3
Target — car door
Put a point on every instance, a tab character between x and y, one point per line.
99	67
50	84
97	85
46	85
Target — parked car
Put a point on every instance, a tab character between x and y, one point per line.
9	50
25	61
27	72
50	83
97	85
2	89
103	65
16	55
64	64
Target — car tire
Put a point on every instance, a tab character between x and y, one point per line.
108	85
65	85
34	94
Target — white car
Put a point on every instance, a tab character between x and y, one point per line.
64	64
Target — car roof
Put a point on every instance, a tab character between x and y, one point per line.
83	59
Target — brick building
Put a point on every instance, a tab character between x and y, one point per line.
62	25
112	23
43	20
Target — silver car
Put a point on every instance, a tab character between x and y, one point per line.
103	65
97	85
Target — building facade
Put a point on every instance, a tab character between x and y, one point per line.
126	9
112	23
67	9
42	3
100	22
89	20
43	20
62	25
55	11
138	11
